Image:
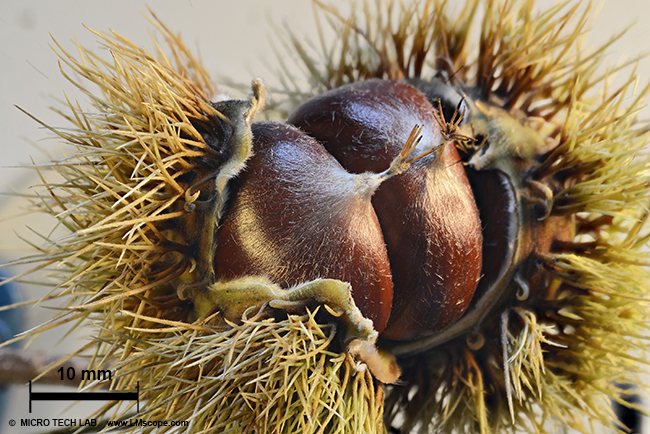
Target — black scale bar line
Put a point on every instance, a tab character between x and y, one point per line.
83	396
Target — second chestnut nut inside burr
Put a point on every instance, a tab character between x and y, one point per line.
410	244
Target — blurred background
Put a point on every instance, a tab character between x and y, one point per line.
233	40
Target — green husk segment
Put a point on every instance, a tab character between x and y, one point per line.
559	354
136	197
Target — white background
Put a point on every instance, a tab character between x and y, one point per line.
232	38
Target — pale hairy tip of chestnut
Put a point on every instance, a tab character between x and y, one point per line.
381	364
260	94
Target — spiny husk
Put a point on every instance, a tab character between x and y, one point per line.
129	198
560	353
120	185
263	375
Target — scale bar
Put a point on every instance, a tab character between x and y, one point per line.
84	396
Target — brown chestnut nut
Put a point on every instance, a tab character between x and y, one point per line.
428	215
297	215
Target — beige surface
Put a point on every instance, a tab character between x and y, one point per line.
232	39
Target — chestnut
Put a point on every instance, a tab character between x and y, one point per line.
297	215
332	199
428	215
